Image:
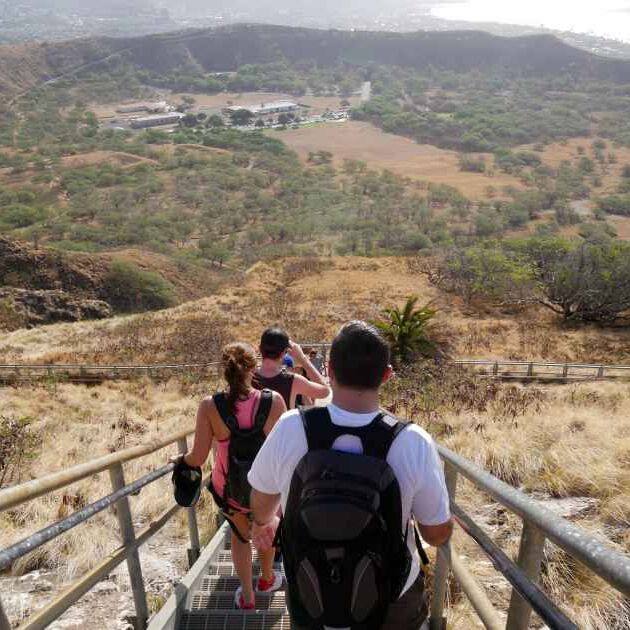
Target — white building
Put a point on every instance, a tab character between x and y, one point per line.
130	108
264	109
157	120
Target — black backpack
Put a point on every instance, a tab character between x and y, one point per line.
244	446
345	554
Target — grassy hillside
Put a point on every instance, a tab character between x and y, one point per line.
312	297
566	445
227	48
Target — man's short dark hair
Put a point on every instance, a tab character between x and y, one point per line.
359	356
273	343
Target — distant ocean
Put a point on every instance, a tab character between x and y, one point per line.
605	18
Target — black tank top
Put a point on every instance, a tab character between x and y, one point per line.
281	383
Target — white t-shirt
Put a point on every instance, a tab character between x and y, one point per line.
412	457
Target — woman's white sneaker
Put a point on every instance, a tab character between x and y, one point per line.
263	586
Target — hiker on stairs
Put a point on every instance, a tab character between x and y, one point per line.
238	421
352	482
274	343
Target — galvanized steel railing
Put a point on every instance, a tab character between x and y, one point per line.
536	370
504	370
131	540
539	525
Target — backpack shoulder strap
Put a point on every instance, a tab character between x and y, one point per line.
380	434
229	419
318	427
264	408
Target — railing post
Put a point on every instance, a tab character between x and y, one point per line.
193	529
443	563
128	535
530	556
4	620
530	369
600	371
495	369
565	371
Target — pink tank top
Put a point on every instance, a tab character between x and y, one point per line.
244	412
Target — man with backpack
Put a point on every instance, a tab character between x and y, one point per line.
274	345
351	481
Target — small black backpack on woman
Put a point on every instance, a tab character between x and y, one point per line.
244	446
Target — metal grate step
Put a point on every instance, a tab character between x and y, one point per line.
227	568
218	583
226	556
224	600
236	620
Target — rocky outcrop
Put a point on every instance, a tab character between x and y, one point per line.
22	266
26	308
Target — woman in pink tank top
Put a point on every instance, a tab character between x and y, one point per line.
240	402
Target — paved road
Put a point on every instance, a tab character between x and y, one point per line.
366	91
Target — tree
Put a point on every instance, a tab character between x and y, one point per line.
128	288
190	120
214	250
590	283
241	117
215	121
486	272
407	331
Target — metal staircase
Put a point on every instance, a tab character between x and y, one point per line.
210	606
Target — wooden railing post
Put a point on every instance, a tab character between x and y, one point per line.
443	563
495	369
600	371
530	556
530	369
193	529
4	620
565	371
128	536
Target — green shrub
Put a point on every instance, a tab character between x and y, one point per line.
130	289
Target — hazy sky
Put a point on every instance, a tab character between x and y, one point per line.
608	18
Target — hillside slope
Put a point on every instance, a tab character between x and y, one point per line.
46	280
312	298
24	66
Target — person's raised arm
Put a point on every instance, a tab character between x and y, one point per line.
300	358
314	386
203	437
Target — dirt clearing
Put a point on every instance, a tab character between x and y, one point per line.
362	141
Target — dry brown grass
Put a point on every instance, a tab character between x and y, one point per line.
362	141
74	424
567	445
557	152
312	298
556	442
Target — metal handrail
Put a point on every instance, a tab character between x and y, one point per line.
15	495
539	524
10	554
545	608
55	367
583	546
